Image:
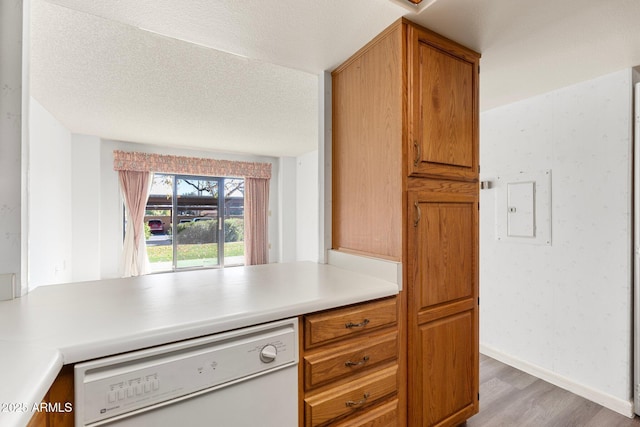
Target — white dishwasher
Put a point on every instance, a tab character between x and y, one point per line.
245	377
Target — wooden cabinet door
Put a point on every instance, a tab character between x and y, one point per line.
443	95
445	231
443	305
447	370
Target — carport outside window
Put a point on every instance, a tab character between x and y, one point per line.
189	225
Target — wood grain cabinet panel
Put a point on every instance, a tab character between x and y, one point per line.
447	108
351	321
445	238
443	308
349	379
350	398
385	415
60	395
337	362
447	370
364	218
39	419
444	120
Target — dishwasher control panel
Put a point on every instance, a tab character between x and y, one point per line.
136	381
132	388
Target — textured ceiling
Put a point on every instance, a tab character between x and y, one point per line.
241	76
101	77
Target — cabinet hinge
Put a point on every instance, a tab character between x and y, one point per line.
478	301
478	396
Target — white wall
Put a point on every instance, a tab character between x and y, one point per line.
49	241
325	165
564	311
307	208
287	208
111	211
85	207
11	158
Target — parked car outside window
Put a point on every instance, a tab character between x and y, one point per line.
156	226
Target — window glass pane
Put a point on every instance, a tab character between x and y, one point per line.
233	221
202	230
158	230
197	228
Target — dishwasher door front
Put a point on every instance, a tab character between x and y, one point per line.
267	400
245	377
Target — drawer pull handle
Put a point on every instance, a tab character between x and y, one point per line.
349	363
362	324
354	403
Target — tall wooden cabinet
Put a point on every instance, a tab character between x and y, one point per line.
405	188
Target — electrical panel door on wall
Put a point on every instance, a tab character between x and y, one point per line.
521	197
523	207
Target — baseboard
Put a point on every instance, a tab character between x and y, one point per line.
621	406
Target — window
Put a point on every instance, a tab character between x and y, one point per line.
206	179
189	225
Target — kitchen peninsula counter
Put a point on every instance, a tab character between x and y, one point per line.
63	324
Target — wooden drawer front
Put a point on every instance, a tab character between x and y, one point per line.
358	355
385	415
350	321
346	399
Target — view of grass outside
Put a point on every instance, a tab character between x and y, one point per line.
194	251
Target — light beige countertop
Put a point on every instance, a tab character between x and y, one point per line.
63	324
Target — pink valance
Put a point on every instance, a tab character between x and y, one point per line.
164	163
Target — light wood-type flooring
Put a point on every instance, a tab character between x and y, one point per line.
512	398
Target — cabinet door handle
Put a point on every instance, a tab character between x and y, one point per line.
418	150
354	403
362	324
349	363
418	214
